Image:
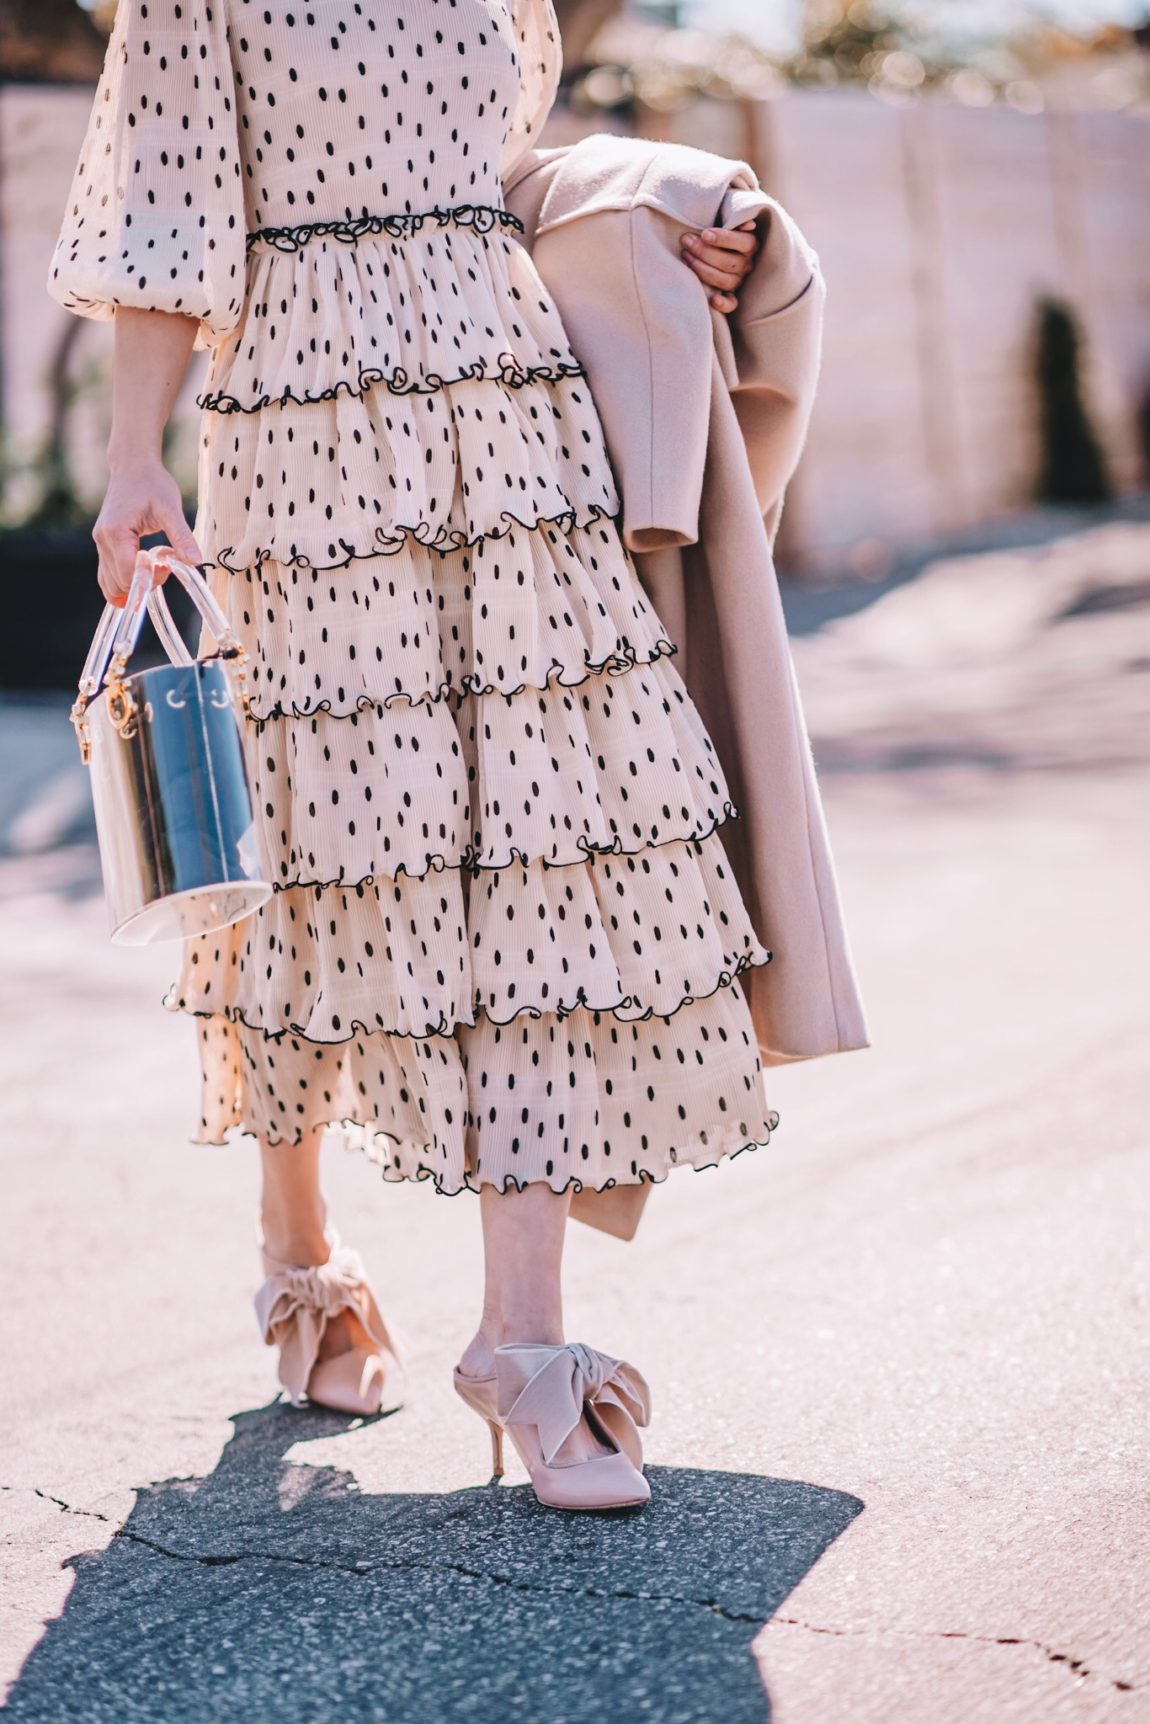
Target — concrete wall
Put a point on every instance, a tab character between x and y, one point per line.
937	226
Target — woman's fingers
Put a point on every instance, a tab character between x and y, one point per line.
743	238
726	280
721	258
699	253
111	592
179	536
732	247
140	499
117	543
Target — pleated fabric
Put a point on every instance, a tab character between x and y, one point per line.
505	940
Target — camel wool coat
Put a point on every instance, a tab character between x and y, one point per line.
705	416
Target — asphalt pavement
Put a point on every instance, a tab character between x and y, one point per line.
898	1358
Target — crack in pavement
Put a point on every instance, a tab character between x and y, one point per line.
1076	1667
362	1569
90	1514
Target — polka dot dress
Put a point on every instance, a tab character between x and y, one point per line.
505	940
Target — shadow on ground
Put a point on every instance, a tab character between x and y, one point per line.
276	1589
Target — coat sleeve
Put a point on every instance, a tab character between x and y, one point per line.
540	52
770	351
155	212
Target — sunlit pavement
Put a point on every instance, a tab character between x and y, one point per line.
899	1358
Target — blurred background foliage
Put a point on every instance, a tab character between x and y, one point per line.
674	68
664	52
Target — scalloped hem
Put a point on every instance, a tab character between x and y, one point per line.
444	1027
615	664
391	542
397	381
381	1146
470	862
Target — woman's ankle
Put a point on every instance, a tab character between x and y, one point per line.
530	1328
297	1240
478	1357
293	1212
526	1333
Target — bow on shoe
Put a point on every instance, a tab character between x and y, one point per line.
563	1381
295	1305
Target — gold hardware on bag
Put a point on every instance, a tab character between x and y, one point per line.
122	709
182	850
80	726
240	659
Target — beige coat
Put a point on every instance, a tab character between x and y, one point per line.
704	418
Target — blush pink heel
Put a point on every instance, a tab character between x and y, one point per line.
479	1393
538	1396
294	1306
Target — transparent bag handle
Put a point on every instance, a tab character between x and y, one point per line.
201	594
119	628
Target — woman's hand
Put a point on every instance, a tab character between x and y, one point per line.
142	497
149	358
721	257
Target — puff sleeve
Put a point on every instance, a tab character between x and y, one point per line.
155	213
539	48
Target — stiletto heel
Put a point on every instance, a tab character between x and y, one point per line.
539	1395
479	1393
294	1306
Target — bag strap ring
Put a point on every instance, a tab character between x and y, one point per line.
119	630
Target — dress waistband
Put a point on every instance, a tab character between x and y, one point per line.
481	217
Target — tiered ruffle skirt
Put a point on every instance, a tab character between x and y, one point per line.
505	941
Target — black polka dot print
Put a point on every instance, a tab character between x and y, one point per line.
504	943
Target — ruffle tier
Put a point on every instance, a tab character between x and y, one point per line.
633	936
322	485
529	608
593	1102
617	764
403	313
506	940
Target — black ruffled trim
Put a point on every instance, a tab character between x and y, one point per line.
481	217
400	382
469	863
573	1183
422	1172
445	539
615	665
444	1028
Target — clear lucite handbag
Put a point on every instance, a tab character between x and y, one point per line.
180	850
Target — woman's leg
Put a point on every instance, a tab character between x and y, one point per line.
292	1208
523	1234
293	1215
